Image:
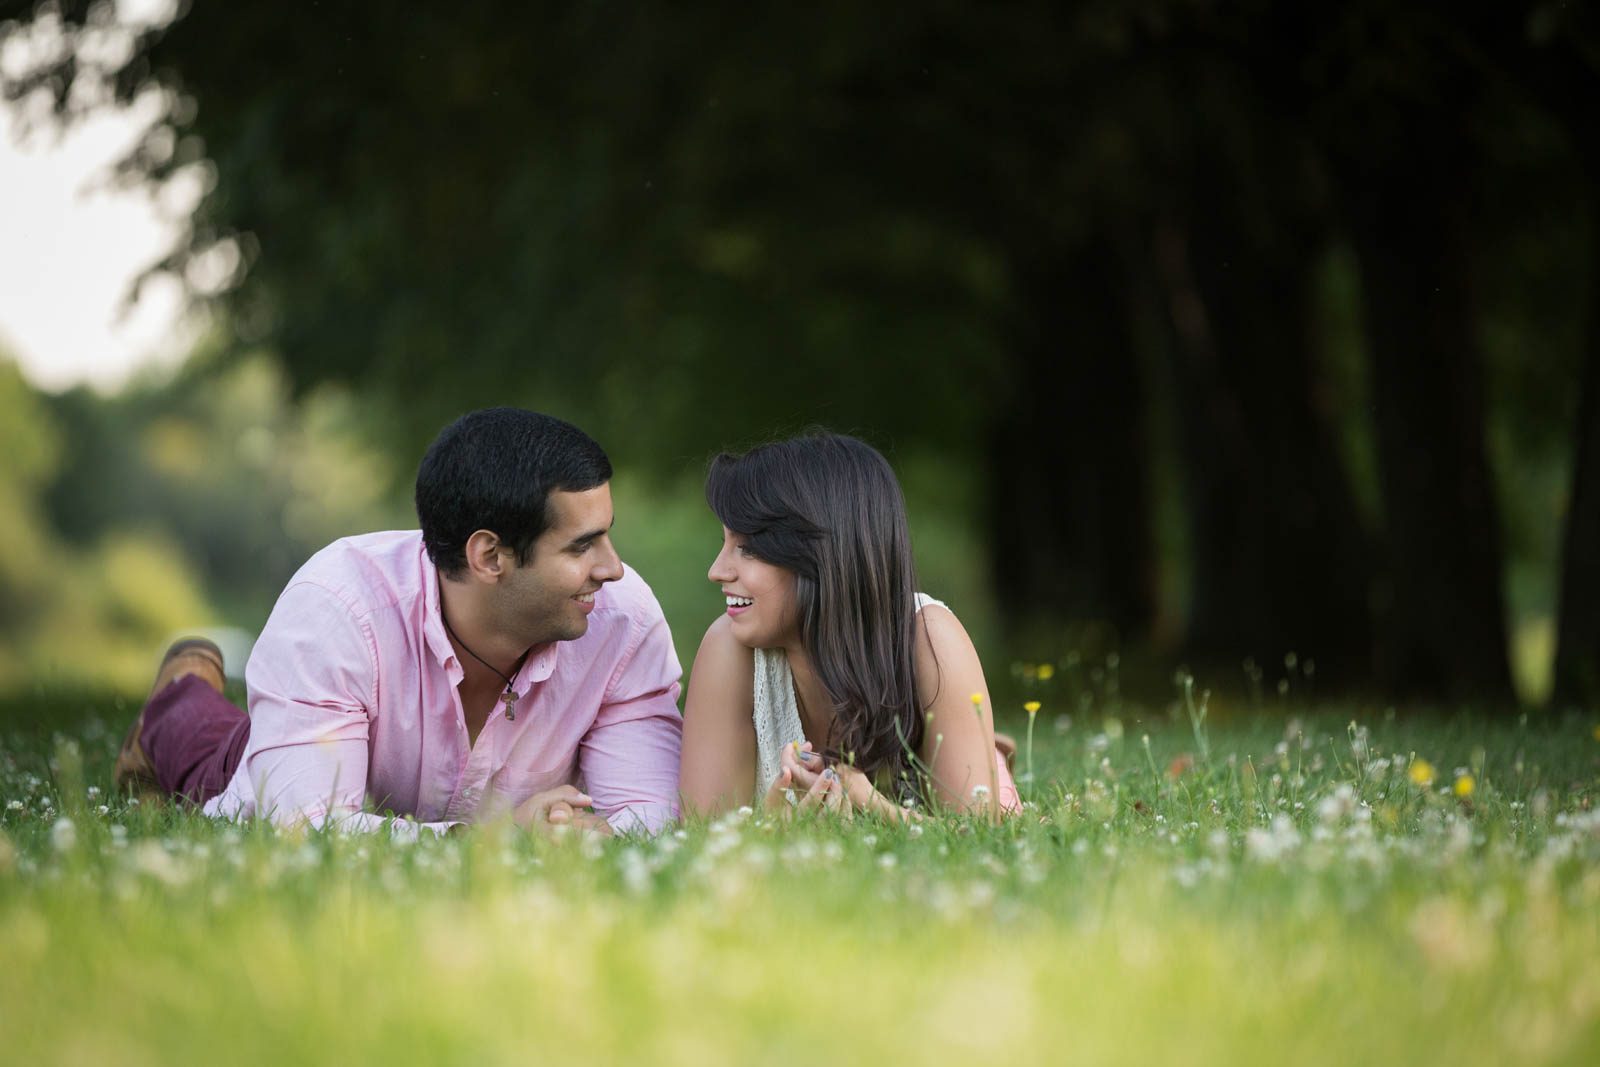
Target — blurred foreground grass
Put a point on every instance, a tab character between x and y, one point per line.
1314	893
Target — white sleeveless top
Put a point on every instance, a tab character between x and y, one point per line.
777	714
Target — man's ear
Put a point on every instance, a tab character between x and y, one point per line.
485	561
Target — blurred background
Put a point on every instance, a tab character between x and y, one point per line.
1259	338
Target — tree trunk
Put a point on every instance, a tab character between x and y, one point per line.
1280	563
1577	672
1068	474
1444	626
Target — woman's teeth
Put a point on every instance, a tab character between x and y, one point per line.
739	601
584	598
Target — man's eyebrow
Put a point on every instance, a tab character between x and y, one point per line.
585	538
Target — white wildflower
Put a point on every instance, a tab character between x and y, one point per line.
1336	805
1269	845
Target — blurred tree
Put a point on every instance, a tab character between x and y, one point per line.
90	615
219	461
30	441
812	221
966	228
1564	70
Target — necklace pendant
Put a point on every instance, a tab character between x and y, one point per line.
510	700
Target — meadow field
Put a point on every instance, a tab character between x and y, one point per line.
1288	885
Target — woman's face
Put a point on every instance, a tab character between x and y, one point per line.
759	595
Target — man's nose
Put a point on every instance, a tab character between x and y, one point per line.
610	568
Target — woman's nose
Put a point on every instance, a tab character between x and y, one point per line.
719	569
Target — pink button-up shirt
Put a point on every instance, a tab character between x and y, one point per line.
353	705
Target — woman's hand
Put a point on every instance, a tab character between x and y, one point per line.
865	797
805	768
823	788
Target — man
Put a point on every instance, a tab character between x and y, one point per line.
474	669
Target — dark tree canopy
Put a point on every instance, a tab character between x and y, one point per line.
1087	244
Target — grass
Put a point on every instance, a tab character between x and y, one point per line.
1270	889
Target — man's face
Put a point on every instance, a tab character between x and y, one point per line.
549	597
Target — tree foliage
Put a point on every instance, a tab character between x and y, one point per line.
1082	248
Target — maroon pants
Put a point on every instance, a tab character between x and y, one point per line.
193	737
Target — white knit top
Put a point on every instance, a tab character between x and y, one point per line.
777	713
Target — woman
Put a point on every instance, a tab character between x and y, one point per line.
829	678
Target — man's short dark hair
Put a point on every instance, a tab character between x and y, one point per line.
494	470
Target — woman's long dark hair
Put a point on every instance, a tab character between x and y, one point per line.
828	508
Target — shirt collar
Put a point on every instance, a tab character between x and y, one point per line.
433	632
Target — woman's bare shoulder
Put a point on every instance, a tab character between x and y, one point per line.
942	648
723	666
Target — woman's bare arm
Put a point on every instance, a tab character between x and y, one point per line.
958	746
718	771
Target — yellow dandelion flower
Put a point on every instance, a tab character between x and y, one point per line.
1465	785
1422	772
1597	733
1047	671
1031	707
977	700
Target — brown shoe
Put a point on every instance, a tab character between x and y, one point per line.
192	655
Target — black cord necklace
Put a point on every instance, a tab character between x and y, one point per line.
510	697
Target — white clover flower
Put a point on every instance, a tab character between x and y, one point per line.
635	871
150	859
980	791
63	835
1336	805
888	860
1270	844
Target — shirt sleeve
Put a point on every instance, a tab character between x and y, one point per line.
312	678
629	757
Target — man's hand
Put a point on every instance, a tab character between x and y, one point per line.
558	809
